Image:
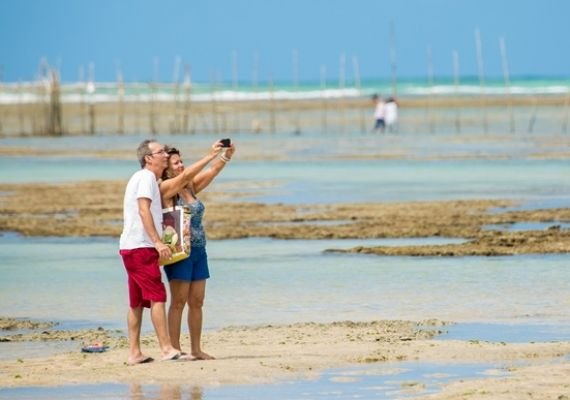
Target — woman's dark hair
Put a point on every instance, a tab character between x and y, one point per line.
170	151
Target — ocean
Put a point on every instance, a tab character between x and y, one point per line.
101	92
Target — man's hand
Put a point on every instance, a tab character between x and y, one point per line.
164	251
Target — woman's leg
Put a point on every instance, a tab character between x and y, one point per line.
195	302
179	295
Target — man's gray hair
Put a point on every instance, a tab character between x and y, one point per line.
143	151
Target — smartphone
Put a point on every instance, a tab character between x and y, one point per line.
226	142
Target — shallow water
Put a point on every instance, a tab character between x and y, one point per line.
385	381
526	226
81	282
318	170
511	333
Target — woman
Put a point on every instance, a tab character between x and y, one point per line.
187	278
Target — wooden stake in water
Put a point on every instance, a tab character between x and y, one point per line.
20	108
235	88
272	121
213	102
357	83
175	125
431	94
44	96
55	126
121	101
153	90
187	98
456	86
324	122
297	119
341	85
567	112
506	75
82	96
91	94
481	68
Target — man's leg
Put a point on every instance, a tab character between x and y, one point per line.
134	322
158	316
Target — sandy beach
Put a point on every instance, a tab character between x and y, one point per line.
264	354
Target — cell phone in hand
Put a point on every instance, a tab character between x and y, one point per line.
226	142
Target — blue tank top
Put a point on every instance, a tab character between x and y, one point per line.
197	233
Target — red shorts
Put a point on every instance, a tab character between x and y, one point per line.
143	271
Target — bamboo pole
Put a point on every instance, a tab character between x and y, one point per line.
431	94
481	68
272	121
214	110
45	90
187	99
506	75
55	125
456	86
235	88
297	117
324	122
566	118
121	101
532	119
82	94
91	93
341	86
357	83
153	90
21	108
219	83
254	85
175	124
137	109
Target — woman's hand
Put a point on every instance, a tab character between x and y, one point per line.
215	149
230	151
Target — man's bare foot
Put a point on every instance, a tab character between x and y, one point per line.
200	355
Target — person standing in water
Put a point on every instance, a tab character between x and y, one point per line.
379	114
187	278
141	247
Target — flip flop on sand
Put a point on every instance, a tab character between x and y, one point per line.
94	348
171	357
142	360
186	357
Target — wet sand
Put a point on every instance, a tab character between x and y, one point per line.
94	208
263	354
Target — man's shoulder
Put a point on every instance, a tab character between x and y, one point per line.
143	174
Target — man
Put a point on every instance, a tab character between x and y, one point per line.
141	247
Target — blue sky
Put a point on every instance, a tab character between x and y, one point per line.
144	37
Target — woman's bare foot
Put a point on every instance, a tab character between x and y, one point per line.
200	355
140	359
171	355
